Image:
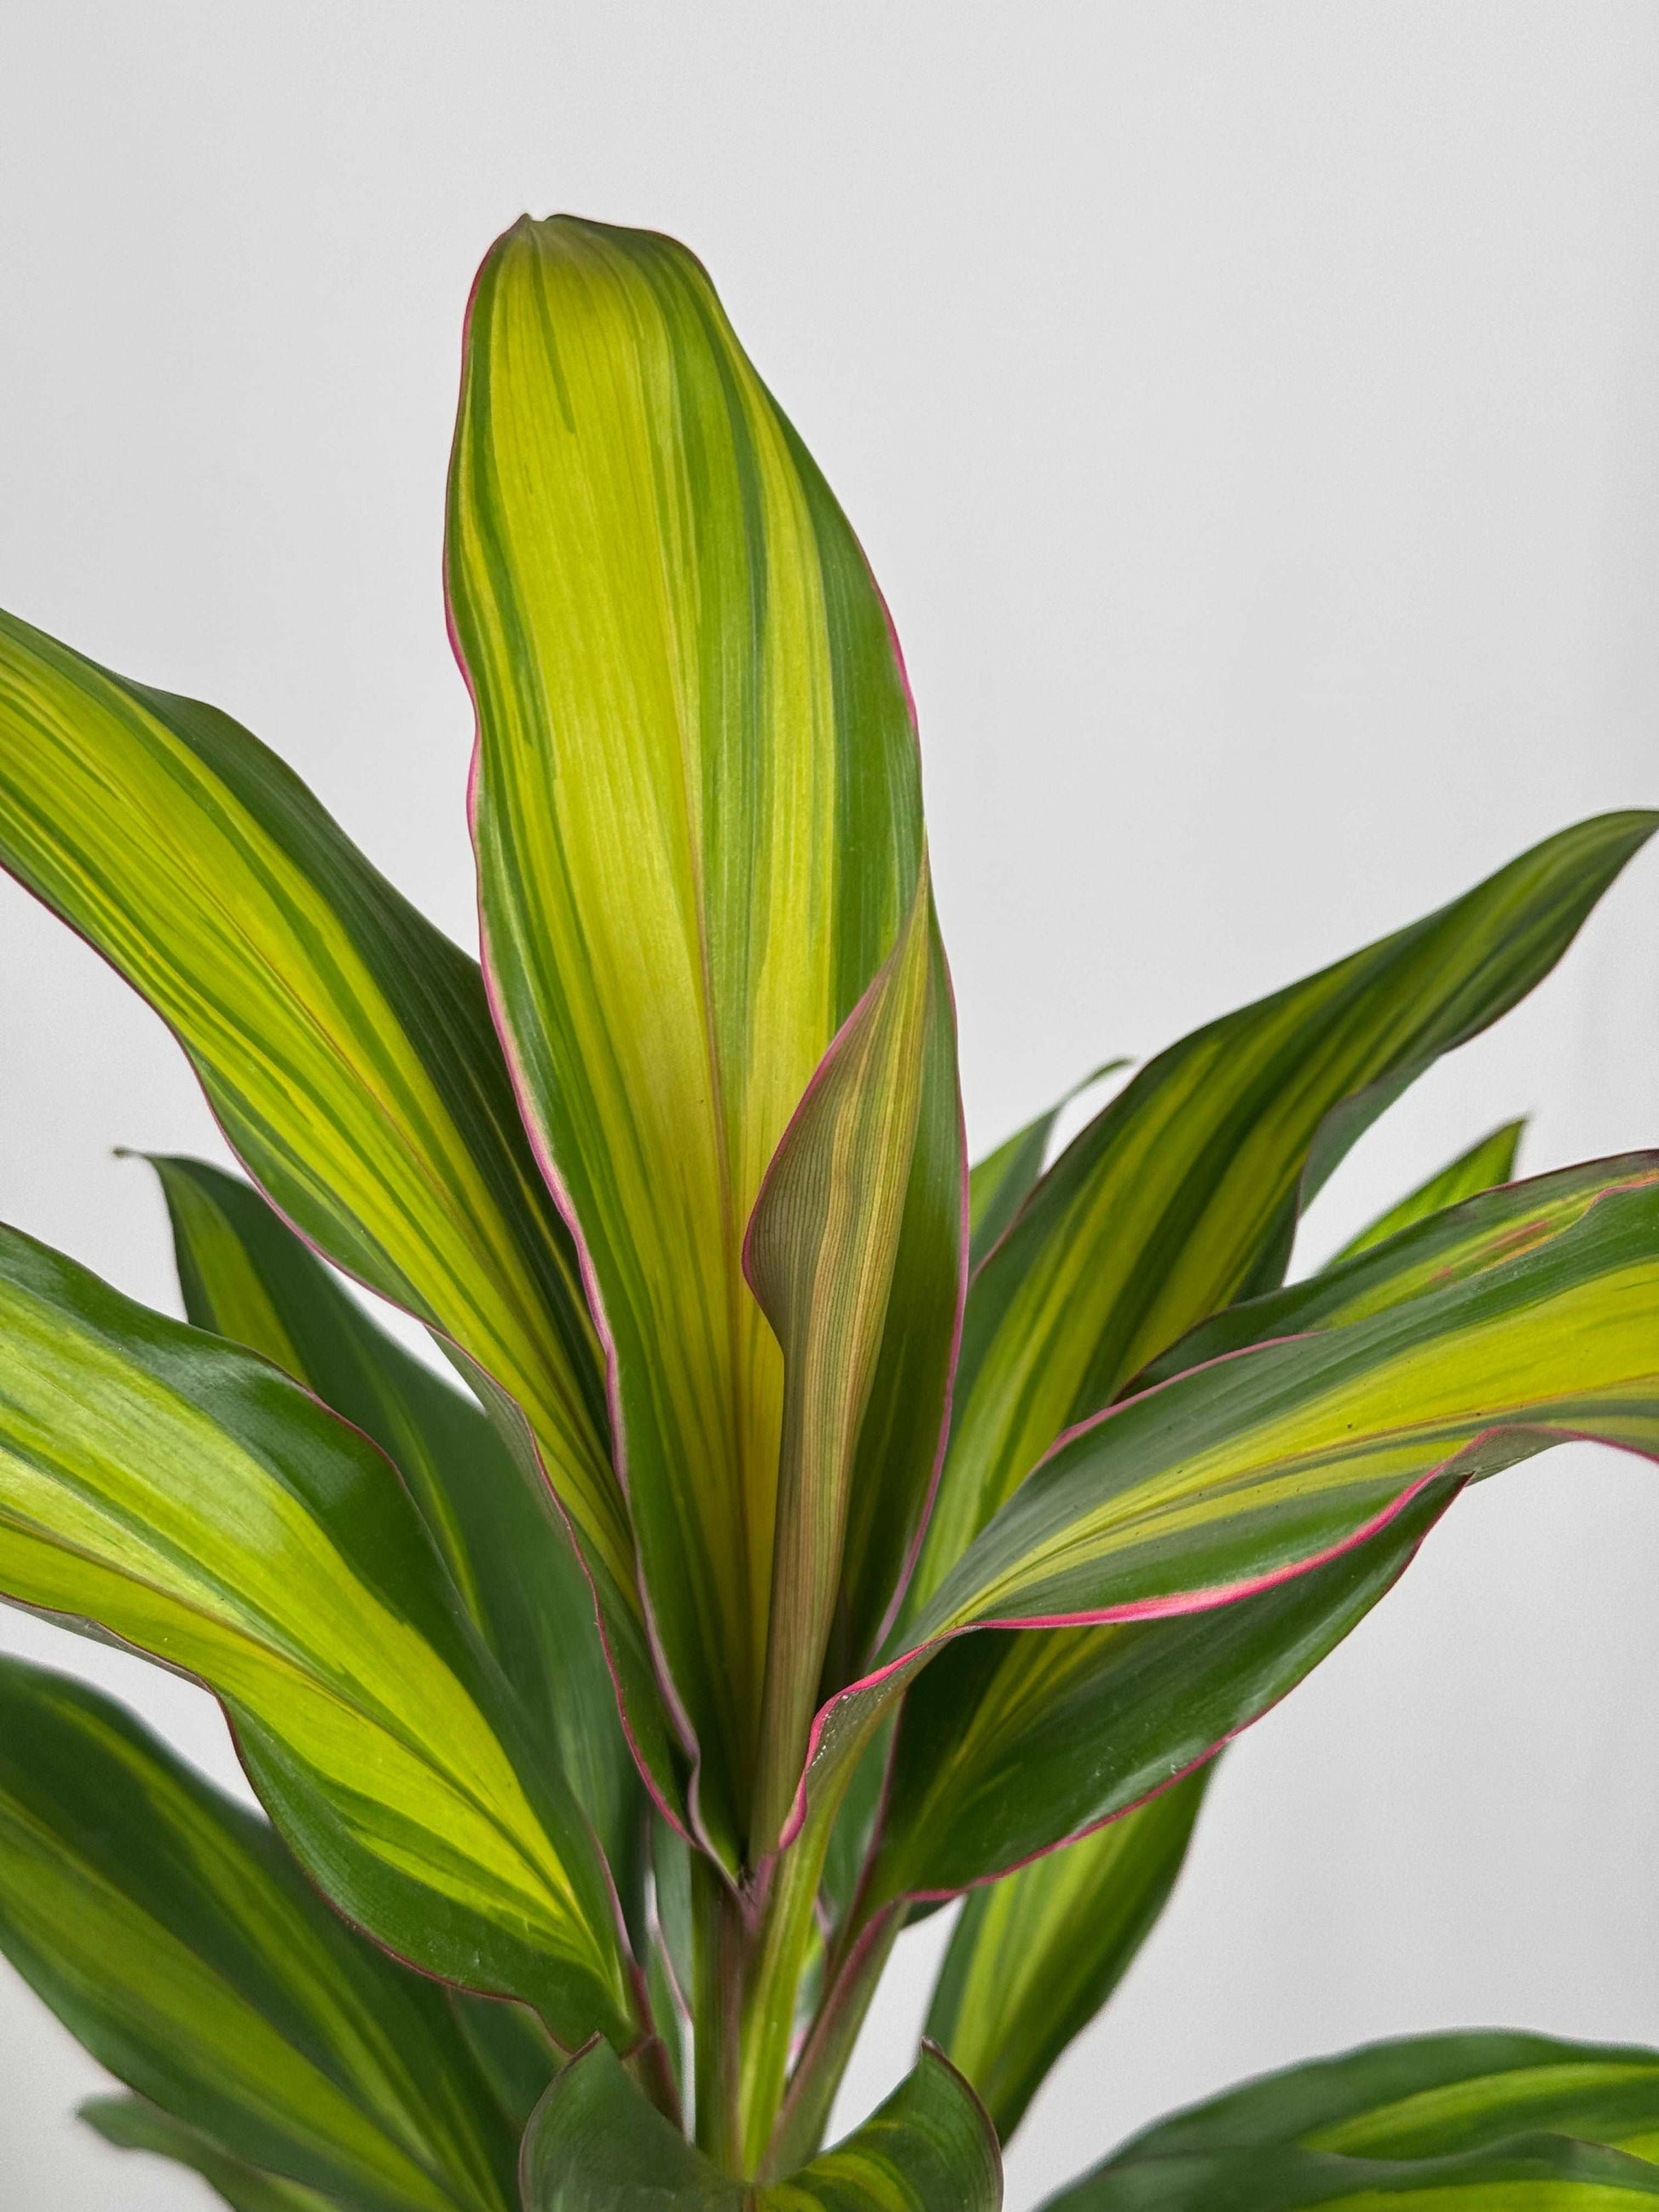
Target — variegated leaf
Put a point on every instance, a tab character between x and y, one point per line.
1243	1474
1183	1193
697	813
1430	2096
1036	1955
345	1044
1490	1162
191	1500
596	2145
1536	2173
132	2124
245	1276
172	1932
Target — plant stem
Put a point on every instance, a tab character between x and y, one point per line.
722	1940
849	1984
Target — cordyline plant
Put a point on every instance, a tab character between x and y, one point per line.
828	1530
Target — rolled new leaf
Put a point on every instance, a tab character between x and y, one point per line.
132	2124
596	2145
172	1933
1490	1162
193	1501
1036	1955
1182	1194
1536	2173
245	1276
1430	2096
820	1255
1239	1476
697	812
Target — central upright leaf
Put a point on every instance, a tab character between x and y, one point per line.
697	812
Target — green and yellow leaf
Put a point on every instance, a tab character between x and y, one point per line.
1430	2096
1536	2173
596	2145
1455	1245
1492	1161
170	1931
193	1501
345	1045
1238	1476
697	812
1036	1955
130	2123
1184	1194
245	1276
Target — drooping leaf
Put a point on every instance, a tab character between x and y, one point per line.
1241	1475
1492	1161
1430	2096
1536	2173
1454	1246
245	1276
1036	1955
193	1501
820	1254
596	2145
697	812
345	1044
1182	1194
172	1933
132	2124
988	1771
1000	1184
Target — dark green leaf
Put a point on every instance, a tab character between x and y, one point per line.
132	2124
170	1931
1537	2173
1431	2096
1036	1954
596	2145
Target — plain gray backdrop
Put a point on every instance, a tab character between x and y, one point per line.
1252	413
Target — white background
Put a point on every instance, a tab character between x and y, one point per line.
1252	412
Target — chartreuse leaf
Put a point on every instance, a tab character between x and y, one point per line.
1184	1190
172	1933
245	1276
987	1771
1035	1956
1534	2173
596	2145
1492	1161
1430	2096
697	811
345	1045
1000	1184
132	2124
193	1500
1241	1475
